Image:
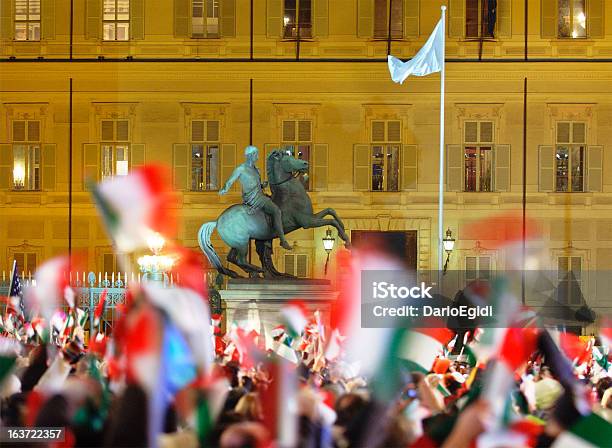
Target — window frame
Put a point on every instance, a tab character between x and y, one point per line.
115	143
571	20
205	34
570	145
297	25
560	280
116	21
206	143
395	35
479	145
478	257
480	25
27	21
295	256
294	145
30	145
386	143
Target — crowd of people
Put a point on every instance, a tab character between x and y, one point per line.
146	385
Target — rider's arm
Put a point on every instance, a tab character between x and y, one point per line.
235	175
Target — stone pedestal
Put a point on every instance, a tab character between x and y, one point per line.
256	303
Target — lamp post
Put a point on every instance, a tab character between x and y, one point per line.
449	245
155	266
328	245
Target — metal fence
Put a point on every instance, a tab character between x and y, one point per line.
88	289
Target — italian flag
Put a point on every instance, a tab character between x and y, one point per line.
571	345
515	350
408	350
294	315
420	347
590	432
280	403
136	206
51	286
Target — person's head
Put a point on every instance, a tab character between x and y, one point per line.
249	406
251	153
244	435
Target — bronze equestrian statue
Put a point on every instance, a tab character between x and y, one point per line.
259	216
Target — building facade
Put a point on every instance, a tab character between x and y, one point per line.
91	89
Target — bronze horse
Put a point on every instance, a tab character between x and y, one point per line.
237	225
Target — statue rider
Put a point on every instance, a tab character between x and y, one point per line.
252	192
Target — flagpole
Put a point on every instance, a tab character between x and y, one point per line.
441	175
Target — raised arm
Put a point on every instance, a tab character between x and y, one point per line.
233	178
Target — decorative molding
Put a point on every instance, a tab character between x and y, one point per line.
571	111
204	111
26	111
114	110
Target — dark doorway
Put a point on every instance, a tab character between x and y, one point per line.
399	244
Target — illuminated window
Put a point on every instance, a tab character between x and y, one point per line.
385	153
26	155
478	155
569	156
480	18
204	155
571	19
115	148
297	19
297	139
27	19
381	14
116	19
205	18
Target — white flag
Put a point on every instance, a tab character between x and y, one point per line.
428	60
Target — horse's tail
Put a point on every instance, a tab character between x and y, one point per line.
204	240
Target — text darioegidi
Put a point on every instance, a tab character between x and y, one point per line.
433	311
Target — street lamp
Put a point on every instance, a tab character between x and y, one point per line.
155	266
449	244
328	245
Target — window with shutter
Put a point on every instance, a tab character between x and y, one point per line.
26	262
570	154
595	168
297	19
385	10
116	20
27	19
569	277
205	15
297	265
385	155
479	18
478	156
297	139
26	164
115	147
571	19
478	268
204	158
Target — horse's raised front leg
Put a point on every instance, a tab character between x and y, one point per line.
329	212
312	221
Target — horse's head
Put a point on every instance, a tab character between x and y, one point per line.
281	163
